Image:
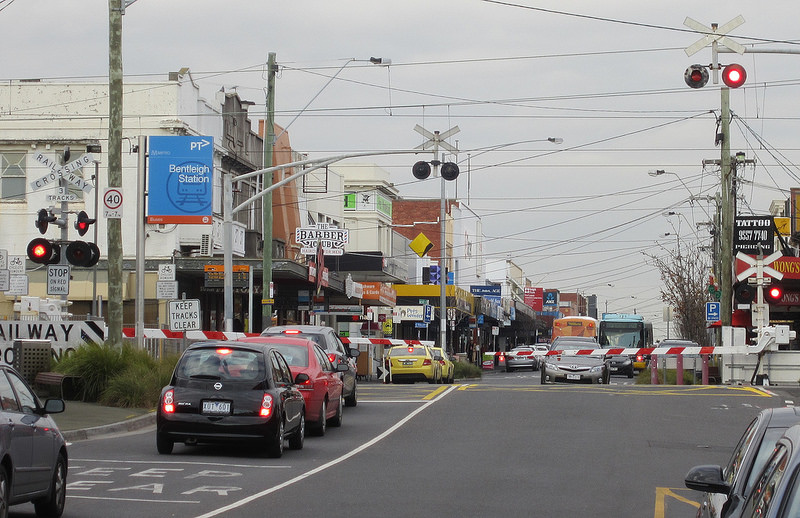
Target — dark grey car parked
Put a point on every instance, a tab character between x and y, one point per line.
33	453
327	338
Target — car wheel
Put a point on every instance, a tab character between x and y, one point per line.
53	504
297	438
321	426
352	399
275	444
4	492
163	443
336	420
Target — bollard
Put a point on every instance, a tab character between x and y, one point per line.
653	370
679	370
705	369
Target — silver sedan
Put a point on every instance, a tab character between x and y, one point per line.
521	357
575	368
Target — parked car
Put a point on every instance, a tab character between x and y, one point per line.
412	363
575	368
229	392
329	341
521	357
25	423
726	488
776	492
448	367
323	389
560	339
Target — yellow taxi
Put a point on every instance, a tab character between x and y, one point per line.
448	367
412	363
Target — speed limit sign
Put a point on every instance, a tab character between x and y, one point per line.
112	203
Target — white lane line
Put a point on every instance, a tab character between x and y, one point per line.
177	462
327	465
135	500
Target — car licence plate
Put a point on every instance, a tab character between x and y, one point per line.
407	363
217	407
573	376
614	369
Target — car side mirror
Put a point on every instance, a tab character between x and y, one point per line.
353	352
301	378
54	406
342	367
707	478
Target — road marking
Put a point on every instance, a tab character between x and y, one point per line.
330	464
661	500
69	495
435	393
204	464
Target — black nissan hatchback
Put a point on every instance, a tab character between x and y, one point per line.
229	392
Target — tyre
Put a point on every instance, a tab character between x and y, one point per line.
336	420
52	506
321	426
275	444
352	399
5	491
297	438
163	443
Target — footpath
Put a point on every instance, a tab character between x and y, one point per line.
81	421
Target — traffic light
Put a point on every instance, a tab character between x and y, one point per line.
43	218
449	171
734	75
44	251
83	222
696	76
421	170
744	293
773	294
81	253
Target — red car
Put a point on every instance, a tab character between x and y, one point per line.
323	390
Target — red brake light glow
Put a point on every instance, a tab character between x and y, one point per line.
223	351
168	406
426	362
410	350
291	332
332	357
266	406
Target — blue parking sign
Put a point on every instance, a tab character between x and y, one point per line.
713	312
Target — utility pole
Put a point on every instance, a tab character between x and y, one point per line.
728	210
266	199
114	226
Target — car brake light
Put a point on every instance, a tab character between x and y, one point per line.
224	351
266	406
332	357
639	358
168	406
426	362
410	350
292	332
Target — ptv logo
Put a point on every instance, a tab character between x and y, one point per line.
197	145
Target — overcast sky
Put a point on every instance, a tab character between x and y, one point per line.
606	77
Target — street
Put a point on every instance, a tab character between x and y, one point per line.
503	445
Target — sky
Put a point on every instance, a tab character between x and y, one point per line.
606	77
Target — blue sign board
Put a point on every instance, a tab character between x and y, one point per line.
180	180
428	314
486	291
712	311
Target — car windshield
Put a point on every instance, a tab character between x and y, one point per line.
221	363
296	355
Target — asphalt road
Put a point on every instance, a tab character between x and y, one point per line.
501	446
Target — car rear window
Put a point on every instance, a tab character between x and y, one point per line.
221	363
295	355
317	339
407	351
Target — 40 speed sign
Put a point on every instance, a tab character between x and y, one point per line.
112	203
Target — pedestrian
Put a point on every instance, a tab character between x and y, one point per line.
478	355
471	353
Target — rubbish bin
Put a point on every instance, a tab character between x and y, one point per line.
32	357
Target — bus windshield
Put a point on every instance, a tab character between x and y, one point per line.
621	334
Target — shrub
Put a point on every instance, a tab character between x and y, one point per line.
139	385
94	364
643	378
466	370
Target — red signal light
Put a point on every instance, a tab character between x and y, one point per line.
734	75
83	222
43	251
774	294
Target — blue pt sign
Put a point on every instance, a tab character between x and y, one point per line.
180	180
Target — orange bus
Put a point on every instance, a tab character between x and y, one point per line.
575	326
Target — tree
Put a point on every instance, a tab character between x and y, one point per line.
685	275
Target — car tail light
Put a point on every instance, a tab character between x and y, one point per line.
332	357
426	362
168	405
441	361
410	350
266	406
223	351
639	358
292	332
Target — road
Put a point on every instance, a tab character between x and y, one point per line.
500	446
